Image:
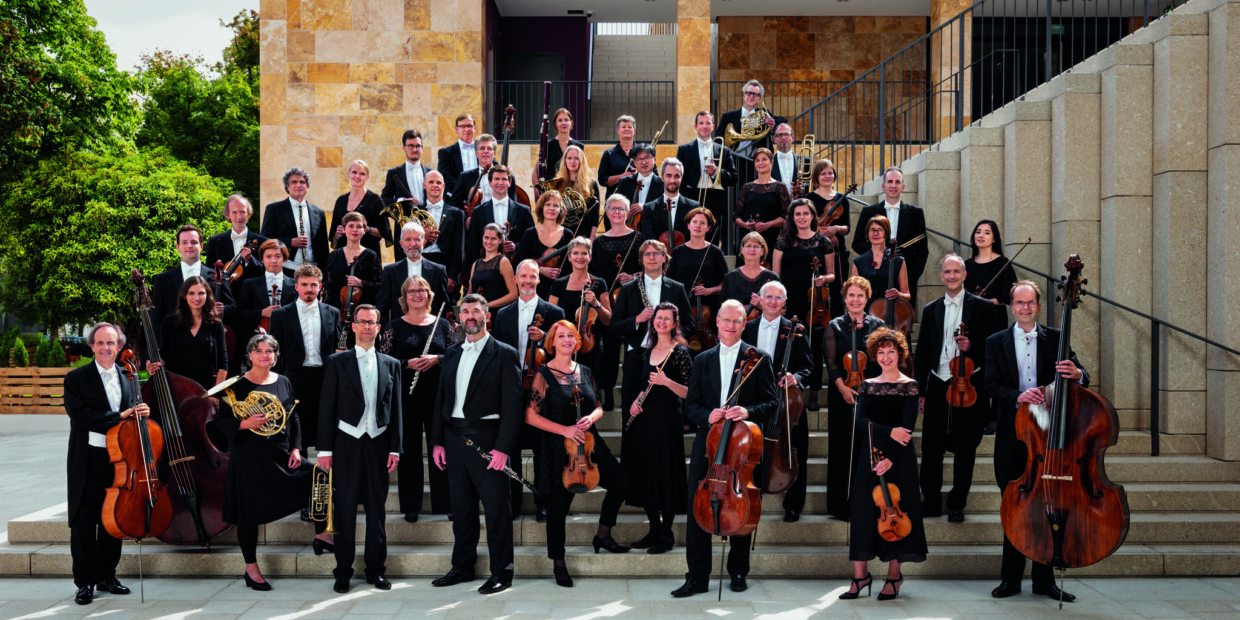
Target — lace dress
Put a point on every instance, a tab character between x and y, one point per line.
763	202
608	252
488	280
653	447
796	270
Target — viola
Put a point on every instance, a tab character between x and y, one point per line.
585	317
136	506
580	474
535	356
264	323
961	393
230	337
893	523
726	502
896	313
236	267
782	466
702	337
819	299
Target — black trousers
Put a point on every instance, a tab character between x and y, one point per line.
528	441
308	387
611	476
698	542
409	481
962	441
840	452
1010	458
469	481
361	477
609	364
794	497
95	552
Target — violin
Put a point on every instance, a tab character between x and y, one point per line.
350	294
961	393
264	323
476	195
726	502
620	262
136	506
777	439
585	317
819	299
236	267
855	362
1063	510
836	211
893	523
535	356
896	313
580	474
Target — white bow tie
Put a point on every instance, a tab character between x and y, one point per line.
241	236
467	147
471	346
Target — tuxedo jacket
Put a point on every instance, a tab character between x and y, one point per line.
628	305
519	220
394	276
691	182
758	395
800	362
255	295
344	401
220	247
654	217
86	402
494	389
912	223
778	175
396	185
451	240
508	331
977	313
465	185
732	118
1003	375
286	329
279	223
450	165
168	284
627	187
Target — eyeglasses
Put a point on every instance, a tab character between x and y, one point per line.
366	323
751	93
624	209
783	135
413	146
650	254
644	159
418	291
466	126
1024	304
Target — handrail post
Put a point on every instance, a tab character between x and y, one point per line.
1154	387
1049	7
882	117
960	77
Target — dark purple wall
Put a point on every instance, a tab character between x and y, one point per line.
566	36
569	36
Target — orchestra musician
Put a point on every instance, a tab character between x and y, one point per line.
983	266
474	180
167	284
299	225
97	397
191	340
500	209
958	430
746	281
788	163
713	381
446	243
824	198
407	180
479	400
771	332
905	221
307	332
564	404
352	266
614	259
268	479
576	287
874	265
643	186
887	413
614	164
415	263
797	247
492	276
459	157
1020	364
546	235
762	205
575	175
702	160
256	300
751	95
236	241
360	436
697	263
360	200
562	121
671	206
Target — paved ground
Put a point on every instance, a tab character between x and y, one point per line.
35	480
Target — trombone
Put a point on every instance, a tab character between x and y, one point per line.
714	184
805	165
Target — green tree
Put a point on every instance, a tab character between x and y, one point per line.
59	85
21	357
242	54
78	225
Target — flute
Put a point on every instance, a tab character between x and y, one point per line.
641	398
418	374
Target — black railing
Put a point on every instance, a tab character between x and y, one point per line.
971	65
595	106
786	99
1156	324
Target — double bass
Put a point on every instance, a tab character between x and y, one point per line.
514	192
726	502
1063	511
193	464
136	506
778	453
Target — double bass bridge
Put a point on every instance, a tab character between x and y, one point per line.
1054	477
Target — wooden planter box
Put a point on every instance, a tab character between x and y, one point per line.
32	390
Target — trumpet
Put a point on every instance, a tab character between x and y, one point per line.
715	182
321	508
805	165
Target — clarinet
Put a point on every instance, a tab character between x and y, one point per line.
301	232
486	456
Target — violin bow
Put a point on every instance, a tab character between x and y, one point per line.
912	241
982	293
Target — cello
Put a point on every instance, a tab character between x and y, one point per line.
193	462
136	505
777	439
1063	511
726	502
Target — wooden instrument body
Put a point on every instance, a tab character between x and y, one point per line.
819	300
961	393
535	356
778	454
726	502
702	337
230	337
126	501
671	239
854	369
580	474
896	313
893	523
264	323
585	317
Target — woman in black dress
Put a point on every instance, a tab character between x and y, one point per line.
492	276
614	258
826	202
267	477
562	120
405	338
653	445
547	234
886	414
799	246
582	218
369	204
763	203
874	266
699	265
568	293
841	398
564	405
352	265
985	264
191	341
745	282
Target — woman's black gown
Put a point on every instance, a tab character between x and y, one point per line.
488	279
878	276
532	247
609	257
371	207
822	205
708	263
336	278
978	275
796	272
763	202
737	286
197	356
653	447
570	301
839	412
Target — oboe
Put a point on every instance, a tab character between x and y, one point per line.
301	231
418	374
486	456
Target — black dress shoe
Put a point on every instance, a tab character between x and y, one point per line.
85	595
649	540
1006	589
690	588
792	516
112	585
562	578
453	577
738	583
321	546
542	515
379	581
412	517
495	585
664	545
1054	592
305	514
812	405
955	516
261	586
342	585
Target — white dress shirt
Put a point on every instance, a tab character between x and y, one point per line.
415	268
238	239
436	211
276	280
188	271
368	367
1026	356
413	176
646	182
893	215
787	163
112	386
953	309
768	334
301	219
706	152
464	370
469	158
727	363
525	315
310	325
654	292
499	208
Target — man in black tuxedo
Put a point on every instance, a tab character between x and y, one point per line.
907	223
237	241
945	428
308	332
360	435
166	285
458	157
697	172
787	162
472	181
1020	364
770	332
446	244
299	225
651	184
714	378
257	302
405	180
670	206
751	96
513	327
395	274
479	400
500	209
97	397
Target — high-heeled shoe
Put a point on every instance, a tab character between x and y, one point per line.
609	544
320	546
261	586
869	581
895	589
562	577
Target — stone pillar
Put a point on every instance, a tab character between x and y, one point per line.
981	179
938	192
692	64
1027	183
1181	91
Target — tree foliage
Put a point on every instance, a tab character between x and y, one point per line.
76	227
